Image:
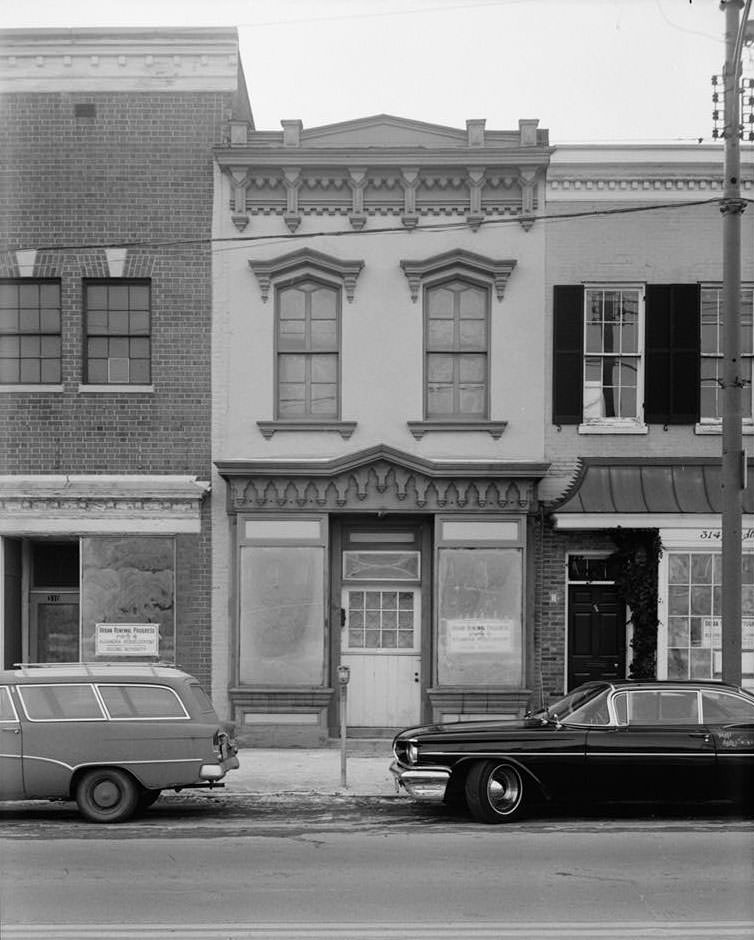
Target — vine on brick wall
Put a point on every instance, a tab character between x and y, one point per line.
636	560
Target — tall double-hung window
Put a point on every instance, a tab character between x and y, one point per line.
308	350
457	351
626	355
711	408
118	332
30	332
612	354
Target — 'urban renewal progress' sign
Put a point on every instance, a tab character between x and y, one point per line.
127	639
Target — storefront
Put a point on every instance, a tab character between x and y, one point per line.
680	500
91	565
413	573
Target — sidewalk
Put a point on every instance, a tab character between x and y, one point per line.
309	770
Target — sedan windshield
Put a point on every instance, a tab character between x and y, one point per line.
586	705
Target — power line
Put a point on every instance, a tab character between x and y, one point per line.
229	243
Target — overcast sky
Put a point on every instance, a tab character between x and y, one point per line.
590	70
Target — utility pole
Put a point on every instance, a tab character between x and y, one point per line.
733	458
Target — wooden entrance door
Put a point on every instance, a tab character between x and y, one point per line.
381	647
596	633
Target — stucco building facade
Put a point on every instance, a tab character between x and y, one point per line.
377	423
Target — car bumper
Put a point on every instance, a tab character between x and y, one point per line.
426	784
217	771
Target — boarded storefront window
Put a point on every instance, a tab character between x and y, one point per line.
480	617
128	580
282	615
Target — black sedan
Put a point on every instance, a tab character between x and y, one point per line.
629	741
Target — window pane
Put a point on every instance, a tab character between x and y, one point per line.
440	334
96	322
324	304
117	297
50	702
324	368
473	304
292	368
440	303
30	370
141	701
292	304
473	334
140	372
324	334
324	401
292	402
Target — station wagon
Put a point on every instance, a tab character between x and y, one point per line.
111	736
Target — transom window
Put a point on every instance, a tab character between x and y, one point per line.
30	335
118	332
457	351
712	351
308	351
612	353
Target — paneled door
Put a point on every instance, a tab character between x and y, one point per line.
381	646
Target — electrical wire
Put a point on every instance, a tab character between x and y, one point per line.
231	242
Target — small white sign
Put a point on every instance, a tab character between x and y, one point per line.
712	631
127	639
480	636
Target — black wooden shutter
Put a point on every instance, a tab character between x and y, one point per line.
568	354
672	367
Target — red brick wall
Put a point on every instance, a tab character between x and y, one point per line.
138	174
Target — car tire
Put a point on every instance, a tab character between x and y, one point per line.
495	792
146	799
107	795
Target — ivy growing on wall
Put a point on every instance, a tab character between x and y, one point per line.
635	562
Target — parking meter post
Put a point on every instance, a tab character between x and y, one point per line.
344	674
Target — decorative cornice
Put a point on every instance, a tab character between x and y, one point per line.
381	479
98	503
302	262
461	262
95	60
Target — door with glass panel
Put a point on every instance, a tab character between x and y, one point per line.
381	637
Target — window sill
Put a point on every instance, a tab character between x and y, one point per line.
716	427
420	428
344	428
116	388
31	387
613	428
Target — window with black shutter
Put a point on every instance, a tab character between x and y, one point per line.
672	340
568	354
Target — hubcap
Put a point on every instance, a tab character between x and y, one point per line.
106	794
503	790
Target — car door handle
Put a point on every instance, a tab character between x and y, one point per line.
700	734
11	730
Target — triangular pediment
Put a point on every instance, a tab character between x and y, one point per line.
384	130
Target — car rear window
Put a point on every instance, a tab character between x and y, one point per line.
141	701
203	700
68	702
722	707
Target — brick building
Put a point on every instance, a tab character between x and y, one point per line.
106	196
633	411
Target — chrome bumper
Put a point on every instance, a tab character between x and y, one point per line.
424	784
217	771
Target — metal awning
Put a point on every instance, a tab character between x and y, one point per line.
649	492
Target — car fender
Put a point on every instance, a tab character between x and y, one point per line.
526	772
